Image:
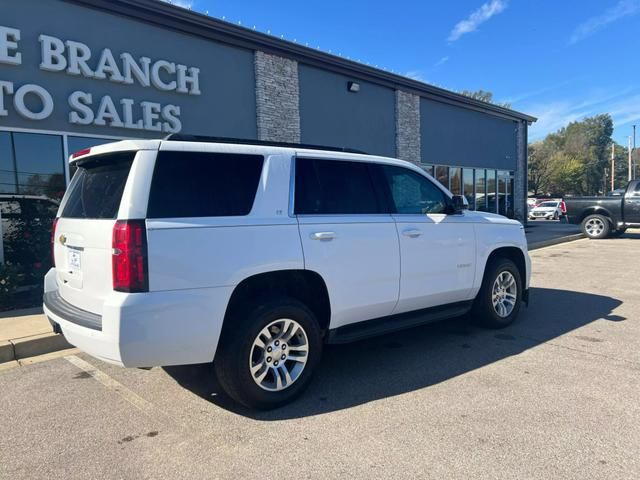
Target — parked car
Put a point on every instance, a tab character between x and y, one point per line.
189	250
548	210
601	217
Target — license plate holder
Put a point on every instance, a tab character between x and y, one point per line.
74	259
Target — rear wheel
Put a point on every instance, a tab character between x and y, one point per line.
267	358
500	297
596	226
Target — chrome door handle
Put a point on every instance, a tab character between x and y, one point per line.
412	232
323	236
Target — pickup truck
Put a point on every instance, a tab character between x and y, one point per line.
602	217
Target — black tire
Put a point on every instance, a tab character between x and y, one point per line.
596	226
483	311
235	346
556	216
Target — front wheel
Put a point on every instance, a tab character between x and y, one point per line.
596	226
267	355
500	297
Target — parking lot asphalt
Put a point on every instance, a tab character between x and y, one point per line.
542	233
553	396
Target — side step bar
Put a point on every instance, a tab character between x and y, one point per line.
392	323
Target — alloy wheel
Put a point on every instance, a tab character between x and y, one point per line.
504	294
279	355
594	227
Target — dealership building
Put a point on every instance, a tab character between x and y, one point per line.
76	73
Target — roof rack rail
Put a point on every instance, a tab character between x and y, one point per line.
180	137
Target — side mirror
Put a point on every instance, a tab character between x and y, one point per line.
458	204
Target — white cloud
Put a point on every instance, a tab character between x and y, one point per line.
623	8
623	106
481	15
180	3
442	61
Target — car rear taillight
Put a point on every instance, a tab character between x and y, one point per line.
129	256
53	242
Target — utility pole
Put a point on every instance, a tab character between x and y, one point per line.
613	166
635	163
629	150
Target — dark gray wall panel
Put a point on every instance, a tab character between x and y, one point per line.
331	115
457	136
226	106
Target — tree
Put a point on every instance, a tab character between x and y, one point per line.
484	96
573	159
540	156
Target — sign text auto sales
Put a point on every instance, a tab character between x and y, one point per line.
76	59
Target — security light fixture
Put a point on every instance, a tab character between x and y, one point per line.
353	87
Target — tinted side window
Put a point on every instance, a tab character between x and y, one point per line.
334	187
413	193
196	184
96	189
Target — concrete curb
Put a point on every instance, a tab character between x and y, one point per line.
556	241
31	346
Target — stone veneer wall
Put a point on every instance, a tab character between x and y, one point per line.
520	186
277	98
408	126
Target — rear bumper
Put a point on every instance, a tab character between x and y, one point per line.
145	329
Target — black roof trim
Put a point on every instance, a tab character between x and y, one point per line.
194	23
181	137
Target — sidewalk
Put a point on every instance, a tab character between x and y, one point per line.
27	333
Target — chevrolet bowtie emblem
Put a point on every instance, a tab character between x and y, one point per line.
63	239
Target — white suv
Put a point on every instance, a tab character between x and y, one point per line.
188	250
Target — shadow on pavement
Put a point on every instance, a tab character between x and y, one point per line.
634	234
402	362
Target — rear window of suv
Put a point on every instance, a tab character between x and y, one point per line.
197	184
96	188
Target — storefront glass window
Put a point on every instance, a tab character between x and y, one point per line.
442	175
39	159
429	169
36	187
503	200
492	204
455	174
7	165
481	196
467	187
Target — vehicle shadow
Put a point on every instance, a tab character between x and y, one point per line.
402	362
627	235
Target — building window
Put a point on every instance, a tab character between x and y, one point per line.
481	193
503	194
442	175
492	204
40	164
429	169
455	176
8	179
467	187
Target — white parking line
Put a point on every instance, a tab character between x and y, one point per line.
107	381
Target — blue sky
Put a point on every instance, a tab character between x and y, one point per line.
559	60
